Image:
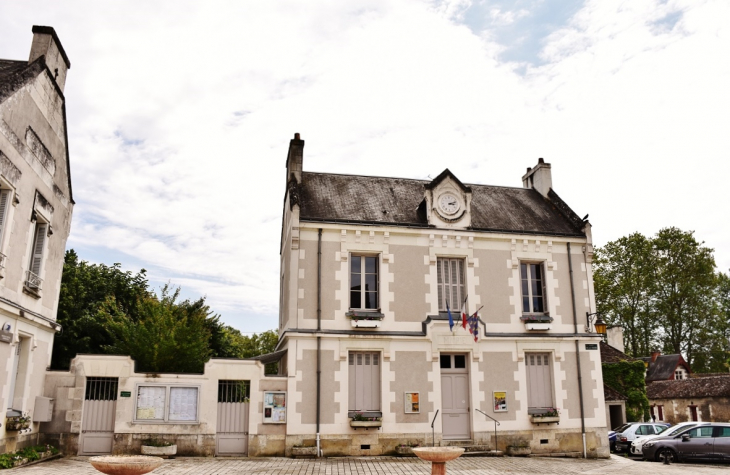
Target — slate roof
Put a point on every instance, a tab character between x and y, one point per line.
696	387
613	395
15	74
400	201
609	354
663	368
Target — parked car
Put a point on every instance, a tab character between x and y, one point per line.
637	430
613	434
709	441
638	444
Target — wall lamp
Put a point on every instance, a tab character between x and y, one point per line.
594	319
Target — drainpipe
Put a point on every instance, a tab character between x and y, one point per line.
577	355
319	328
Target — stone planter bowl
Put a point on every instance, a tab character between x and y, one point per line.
125	464
438	456
164	451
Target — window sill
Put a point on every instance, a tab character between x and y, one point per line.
365	323
366	424
34	292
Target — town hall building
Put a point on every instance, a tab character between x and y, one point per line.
374	272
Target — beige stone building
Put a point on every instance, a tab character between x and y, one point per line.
35	217
370	267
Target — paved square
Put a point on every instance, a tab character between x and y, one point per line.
381	465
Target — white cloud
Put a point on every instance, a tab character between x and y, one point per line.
180	115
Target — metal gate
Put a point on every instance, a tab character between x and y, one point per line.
232	426
97	422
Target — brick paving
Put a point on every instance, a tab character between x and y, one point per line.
382	466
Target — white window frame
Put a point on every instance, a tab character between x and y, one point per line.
530	279
7	196
373	359
166	413
543	378
362	275
448	290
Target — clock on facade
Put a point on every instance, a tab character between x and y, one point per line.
448	203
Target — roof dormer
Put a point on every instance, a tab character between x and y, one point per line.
448	202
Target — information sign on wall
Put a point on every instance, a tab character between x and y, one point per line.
413	405
274	407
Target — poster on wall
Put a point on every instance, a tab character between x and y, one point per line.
412	402
151	402
274	407
500	401
183	404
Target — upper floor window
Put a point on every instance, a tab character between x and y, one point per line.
364	282
4	212
33	280
533	288
451	287
679	374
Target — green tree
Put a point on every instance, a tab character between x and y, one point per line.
624	285
167	337
685	286
85	290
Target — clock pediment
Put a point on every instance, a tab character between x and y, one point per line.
448	202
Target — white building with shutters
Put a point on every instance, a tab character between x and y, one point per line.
371	267
36	204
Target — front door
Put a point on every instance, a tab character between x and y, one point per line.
97	420
455	397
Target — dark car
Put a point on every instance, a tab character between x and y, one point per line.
705	442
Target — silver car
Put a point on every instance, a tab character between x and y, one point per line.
705	442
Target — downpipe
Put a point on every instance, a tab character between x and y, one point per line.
577	356
319	328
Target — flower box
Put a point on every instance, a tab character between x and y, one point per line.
365	424
163	451
17	423
536	419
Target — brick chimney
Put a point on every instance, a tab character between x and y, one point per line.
655	354
539	177
294	159
46	43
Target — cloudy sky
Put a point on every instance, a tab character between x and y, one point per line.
180	115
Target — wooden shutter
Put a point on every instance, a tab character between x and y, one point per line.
450	275
364	381
539	380
38	245
4	199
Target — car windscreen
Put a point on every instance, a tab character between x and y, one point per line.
622	428
660	429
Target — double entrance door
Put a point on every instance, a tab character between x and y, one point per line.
455	403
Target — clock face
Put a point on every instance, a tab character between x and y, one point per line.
449	203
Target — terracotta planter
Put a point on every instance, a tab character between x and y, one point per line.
159	451
365	424
125	464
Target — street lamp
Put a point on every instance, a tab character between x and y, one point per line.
598	324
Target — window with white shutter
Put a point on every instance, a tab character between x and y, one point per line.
33	279
451	286
364	381
539	382
4	202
